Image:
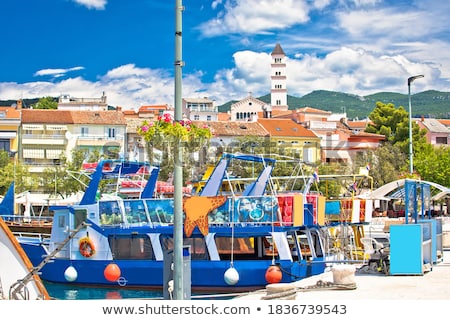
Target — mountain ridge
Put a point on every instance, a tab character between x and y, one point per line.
429	104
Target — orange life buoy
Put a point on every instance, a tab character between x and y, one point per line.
87	248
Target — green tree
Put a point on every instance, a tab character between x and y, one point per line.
5	158
46	103
393	123
388	164
11	170
433	164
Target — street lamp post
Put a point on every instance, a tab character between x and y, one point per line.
410	80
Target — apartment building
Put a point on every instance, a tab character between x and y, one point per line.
48	135
199	109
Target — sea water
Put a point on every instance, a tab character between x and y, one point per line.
60	291
70	292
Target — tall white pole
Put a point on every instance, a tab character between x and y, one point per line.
410	80
178	161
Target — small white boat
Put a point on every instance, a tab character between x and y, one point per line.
18	278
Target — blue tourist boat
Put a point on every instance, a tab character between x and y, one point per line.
232	241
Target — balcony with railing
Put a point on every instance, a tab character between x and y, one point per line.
98	140
202	107
43	139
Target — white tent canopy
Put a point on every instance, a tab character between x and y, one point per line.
395	190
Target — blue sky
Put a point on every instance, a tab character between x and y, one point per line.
126	48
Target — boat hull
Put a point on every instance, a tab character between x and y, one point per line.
204	276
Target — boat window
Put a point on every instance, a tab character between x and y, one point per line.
256	210
248	248
80	216
160	211
197	247
315	237
61	221
131	247
135	211
294	247
305	248
109	213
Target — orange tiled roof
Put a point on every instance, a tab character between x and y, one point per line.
311	110
46	116
280	114
285	128
357	124
153	108
72	117
223	116
231	128
445	122
10	112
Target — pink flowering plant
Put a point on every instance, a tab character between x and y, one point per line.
165	131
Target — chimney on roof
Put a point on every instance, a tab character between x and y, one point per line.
19	104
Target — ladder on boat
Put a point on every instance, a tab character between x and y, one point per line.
19	290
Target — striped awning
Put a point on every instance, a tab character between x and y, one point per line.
33	127
53	153
33	153
54	127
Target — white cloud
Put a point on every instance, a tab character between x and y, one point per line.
415	33
366	24
56	72
346	70
255	16
320	4
354	71
215	4
92	4
365	2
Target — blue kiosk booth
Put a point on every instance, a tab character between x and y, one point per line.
415	247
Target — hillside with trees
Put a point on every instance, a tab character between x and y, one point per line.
430	104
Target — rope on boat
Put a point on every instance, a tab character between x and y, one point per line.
328	285
289	294
283	291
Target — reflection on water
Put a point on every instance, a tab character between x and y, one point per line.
67	292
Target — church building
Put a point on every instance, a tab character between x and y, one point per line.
250	108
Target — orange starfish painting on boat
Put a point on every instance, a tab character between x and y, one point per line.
196	209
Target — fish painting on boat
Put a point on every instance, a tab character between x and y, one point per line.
123	242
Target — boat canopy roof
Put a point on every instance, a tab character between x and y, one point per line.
256	188
249	157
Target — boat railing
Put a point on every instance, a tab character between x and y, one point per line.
32	236
29	220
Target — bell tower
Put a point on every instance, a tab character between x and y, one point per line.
278	90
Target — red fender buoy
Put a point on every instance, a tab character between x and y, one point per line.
112	272
273	274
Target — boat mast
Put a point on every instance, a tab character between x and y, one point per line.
178	159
